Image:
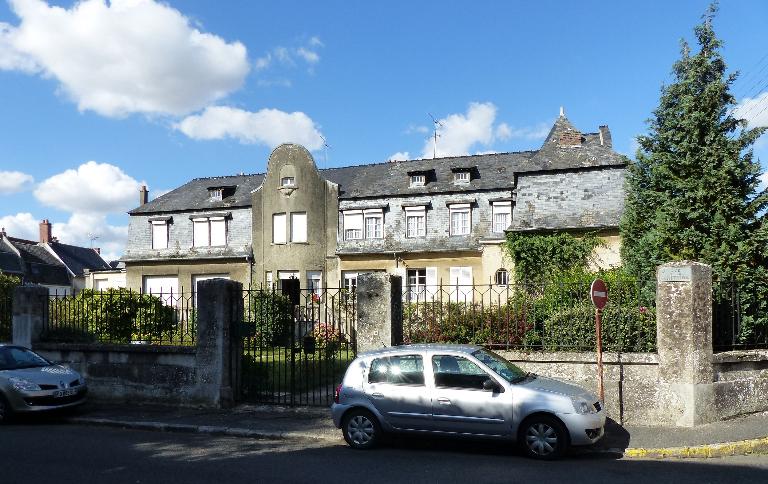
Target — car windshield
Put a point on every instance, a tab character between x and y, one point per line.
502	367
15	358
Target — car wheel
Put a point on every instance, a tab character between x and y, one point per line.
5	409
543	437
361	429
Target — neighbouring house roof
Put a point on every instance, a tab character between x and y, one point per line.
78	259
40	266
494	171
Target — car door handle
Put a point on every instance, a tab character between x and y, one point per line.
377	395
444	401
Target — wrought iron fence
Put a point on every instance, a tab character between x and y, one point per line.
732	328
121	316
6	317
553	316
297	343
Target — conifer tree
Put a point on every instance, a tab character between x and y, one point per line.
693	192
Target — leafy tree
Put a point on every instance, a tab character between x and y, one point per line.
539	257
693	192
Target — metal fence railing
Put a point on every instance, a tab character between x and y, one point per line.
297	343
553	316
732	328
6	317
121	316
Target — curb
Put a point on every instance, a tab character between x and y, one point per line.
726	449
203	429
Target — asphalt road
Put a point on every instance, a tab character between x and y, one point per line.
43	453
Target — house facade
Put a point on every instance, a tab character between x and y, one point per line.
432	221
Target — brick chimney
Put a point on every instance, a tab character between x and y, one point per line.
143	195
46	232
605	136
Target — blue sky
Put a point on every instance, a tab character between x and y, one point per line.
98	97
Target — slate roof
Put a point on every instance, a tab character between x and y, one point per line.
494	171
78	259
41	267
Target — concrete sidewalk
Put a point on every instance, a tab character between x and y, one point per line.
743	435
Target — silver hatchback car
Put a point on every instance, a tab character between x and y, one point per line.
462	390
30	383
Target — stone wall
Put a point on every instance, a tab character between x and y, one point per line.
630	379
741	382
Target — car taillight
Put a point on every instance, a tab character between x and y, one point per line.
337	393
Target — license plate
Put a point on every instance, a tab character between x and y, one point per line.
68	392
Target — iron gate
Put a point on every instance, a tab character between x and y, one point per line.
297	344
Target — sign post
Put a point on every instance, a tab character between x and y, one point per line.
598	292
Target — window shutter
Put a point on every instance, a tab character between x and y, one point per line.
278	228
353	224
218	231
159	235
298	227
432	283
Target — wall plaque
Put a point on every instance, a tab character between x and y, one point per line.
675	274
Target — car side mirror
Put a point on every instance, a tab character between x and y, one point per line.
490	385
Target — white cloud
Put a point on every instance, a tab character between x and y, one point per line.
81	227
290	56
461	132
14	182
22	225
123	57
269	127
540	131
93	188
416	129
399	156
754	110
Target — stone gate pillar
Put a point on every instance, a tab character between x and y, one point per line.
684	340
379	299
30	314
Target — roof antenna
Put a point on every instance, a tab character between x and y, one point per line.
437	124
325	150
562	111
92	237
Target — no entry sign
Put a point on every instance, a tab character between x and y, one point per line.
599	293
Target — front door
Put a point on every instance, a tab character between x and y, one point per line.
459	402
396	388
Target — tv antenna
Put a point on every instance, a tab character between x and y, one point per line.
437	125
325	150
92	237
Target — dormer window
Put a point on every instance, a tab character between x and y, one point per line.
418	180
288	181
461	177
216	193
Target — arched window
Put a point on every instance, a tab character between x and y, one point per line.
502	277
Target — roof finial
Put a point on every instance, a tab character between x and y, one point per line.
562	111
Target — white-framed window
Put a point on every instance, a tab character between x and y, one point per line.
350	281
461	284
374	223
164	287
159	234
418	180
353	224
461	177
278	228
460	219
216	193
502	216
209	232
315	284
417	284
285	275
415	222
287	181
501	277
268	278
299	227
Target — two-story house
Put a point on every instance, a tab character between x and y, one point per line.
432	221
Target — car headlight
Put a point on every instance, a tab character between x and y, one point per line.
24	385
582	406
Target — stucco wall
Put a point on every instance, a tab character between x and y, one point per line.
185	270
132	374
630	379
